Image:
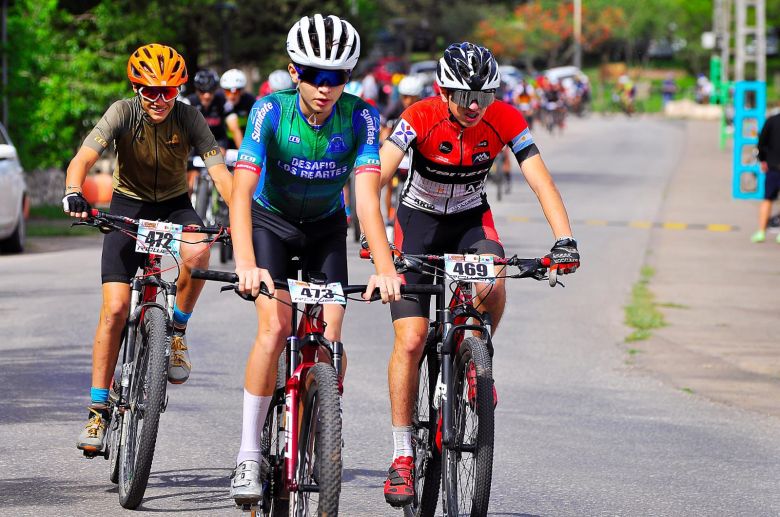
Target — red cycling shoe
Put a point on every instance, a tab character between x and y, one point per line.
399	486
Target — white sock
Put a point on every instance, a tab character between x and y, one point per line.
402	441
255	410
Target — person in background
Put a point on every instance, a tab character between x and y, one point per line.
238	102
769	158
668	88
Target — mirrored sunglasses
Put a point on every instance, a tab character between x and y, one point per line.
152	93
319	77
465	98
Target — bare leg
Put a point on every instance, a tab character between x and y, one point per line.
410	334
105	349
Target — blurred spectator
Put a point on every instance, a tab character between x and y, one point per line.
769	158
703	89
668	88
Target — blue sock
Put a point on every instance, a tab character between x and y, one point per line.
180	317
99	395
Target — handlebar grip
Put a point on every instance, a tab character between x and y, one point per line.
218	276
421	289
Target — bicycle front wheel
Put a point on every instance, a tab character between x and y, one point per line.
145	403
319	446
468	462
425	418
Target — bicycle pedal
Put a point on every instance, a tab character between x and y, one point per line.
92	454
248	507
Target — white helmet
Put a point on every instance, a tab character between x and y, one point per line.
233	79
355	88
280	80
411	85
324	42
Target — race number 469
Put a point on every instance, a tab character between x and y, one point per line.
469	268
158	237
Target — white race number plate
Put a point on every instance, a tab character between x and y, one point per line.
304	292
469	268
158	237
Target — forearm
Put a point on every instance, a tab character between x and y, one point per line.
223	180
371	222
241	224
541	182
235	130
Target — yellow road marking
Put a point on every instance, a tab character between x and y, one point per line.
674	226
719	227
518	219
640	224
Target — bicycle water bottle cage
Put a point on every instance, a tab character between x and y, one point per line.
317	277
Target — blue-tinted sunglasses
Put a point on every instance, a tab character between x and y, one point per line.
319	77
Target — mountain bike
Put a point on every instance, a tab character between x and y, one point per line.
138	395
453	415
301	438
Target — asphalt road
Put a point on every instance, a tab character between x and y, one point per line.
579	432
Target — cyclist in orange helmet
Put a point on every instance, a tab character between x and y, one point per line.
153	135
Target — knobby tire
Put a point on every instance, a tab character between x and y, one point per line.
276	501
425	417
466	474
319	446
147	398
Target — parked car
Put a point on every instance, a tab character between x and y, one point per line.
13	197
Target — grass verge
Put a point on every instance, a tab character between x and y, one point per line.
642	313
51	221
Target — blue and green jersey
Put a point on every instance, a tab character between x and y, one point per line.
303	168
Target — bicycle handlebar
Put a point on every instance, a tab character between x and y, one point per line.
529	267
232	278
190	228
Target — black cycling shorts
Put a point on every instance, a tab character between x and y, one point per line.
120	261
320	245
772	184
416	232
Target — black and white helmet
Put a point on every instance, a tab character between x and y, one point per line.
326	42
466	66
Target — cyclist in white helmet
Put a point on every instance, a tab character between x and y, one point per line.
237	106
303	145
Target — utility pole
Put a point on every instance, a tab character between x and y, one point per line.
721	25
5	62
578	33
750	26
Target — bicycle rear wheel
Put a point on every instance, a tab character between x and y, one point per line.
145	403
427	456
468	462
319	446
276	501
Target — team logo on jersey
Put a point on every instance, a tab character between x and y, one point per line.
174	141
294	139
480	157
445	147
336	144
483	143
404	133
260	113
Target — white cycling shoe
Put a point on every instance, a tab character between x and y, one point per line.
246	483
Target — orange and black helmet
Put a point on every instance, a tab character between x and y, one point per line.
156	65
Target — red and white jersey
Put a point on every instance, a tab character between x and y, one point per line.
450	163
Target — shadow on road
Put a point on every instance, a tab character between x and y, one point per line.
42	384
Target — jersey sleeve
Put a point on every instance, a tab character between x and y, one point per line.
406	129
365	120
202	139
513	130
109	127
261	126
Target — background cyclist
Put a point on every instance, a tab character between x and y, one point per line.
454	139
302	147
410	90
237	105
148	184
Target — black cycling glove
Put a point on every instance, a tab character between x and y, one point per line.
564	256
75	203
